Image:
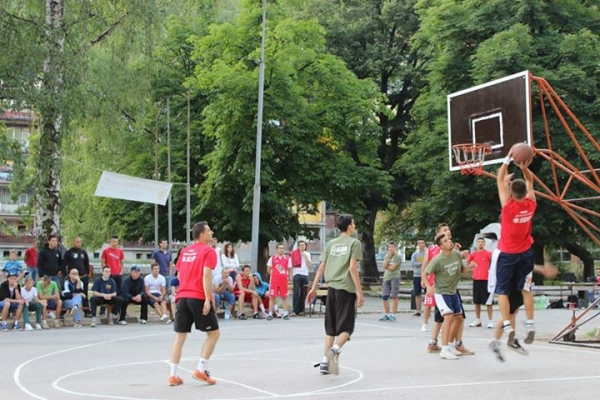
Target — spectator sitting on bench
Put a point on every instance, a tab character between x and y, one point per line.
156	291
262	289
104	291
73	295
29	295
11	301
246	293
223	289
49	296
134	291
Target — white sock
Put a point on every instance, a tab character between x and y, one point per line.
275	308
325	360
202	365
285	313
506	326
529	322
174	369
336	347
262	307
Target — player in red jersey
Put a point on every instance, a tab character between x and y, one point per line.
194	302
516	259
278	268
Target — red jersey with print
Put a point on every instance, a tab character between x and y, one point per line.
113	259
515	225
431	253
279	269
190	265
483	259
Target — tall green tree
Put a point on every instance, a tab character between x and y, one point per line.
52	75
475	41
314	109
373	38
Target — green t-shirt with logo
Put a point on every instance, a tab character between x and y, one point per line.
389	275
337	256
447	272
48	290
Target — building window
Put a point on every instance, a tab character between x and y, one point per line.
148	256
138	256
23	198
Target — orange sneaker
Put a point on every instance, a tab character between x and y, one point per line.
204	377
175	381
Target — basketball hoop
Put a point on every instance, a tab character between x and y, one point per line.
470	157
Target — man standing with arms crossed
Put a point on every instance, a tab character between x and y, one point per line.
78	258
391	282
113	257
194	302
339	265
480	260
516	259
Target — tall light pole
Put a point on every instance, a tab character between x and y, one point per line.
188	189
259	123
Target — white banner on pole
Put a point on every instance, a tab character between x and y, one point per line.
125	187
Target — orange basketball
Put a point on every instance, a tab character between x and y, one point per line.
522	153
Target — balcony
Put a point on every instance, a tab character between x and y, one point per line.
9	209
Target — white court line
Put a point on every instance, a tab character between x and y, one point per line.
17	373
271	394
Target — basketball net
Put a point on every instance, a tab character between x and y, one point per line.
470	157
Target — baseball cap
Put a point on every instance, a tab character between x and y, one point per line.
135	268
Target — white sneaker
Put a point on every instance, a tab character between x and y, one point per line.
28	327
57	323
38	327
93	323
447	354
475	324
51	315
143	321
424	328
490	325
123	322
164	317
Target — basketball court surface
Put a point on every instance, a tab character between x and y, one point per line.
258	359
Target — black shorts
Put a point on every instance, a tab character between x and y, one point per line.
189	312
480	292
437	316
340	312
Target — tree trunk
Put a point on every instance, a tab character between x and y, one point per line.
49	163
585	256
367	231
263	257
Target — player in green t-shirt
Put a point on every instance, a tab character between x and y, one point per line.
447	267
391	282
339	266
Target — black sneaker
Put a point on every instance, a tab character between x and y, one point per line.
417	314
242	316
269	317
323	368
256	315
495	348
516	346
